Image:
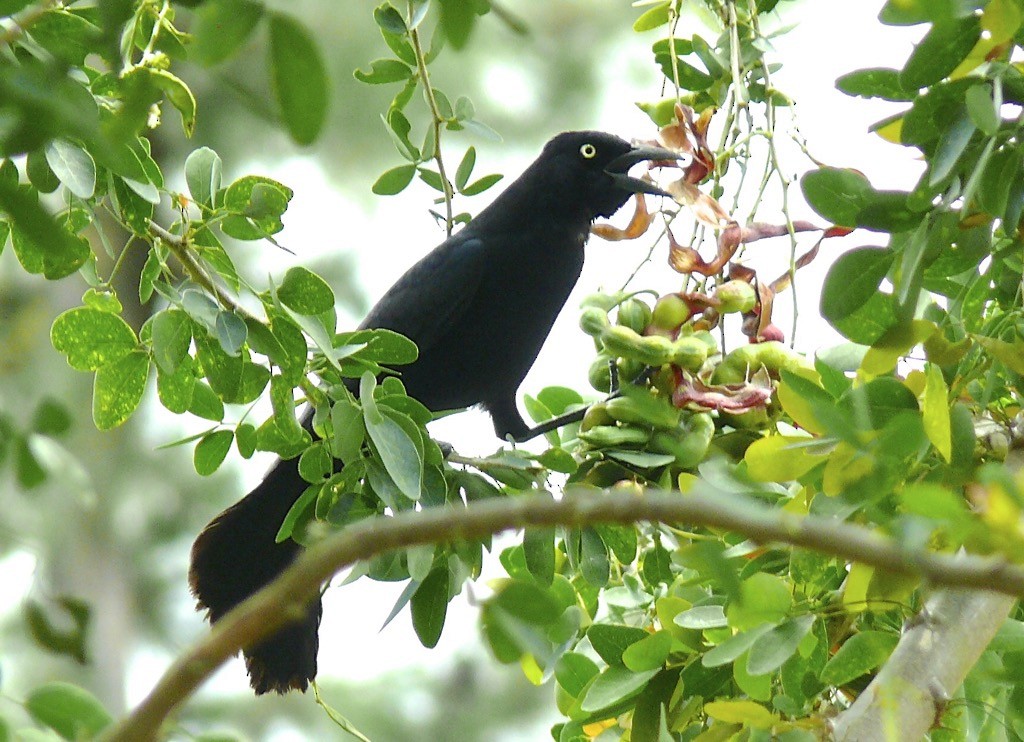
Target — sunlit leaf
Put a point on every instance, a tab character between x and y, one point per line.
299	78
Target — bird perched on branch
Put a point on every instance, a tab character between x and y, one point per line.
478	306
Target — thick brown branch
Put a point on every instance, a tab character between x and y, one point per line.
268	610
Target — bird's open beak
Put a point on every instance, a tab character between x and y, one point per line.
618	169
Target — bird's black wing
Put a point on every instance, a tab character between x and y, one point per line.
426	301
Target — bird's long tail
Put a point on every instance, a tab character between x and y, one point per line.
236	555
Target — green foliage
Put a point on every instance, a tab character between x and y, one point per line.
649	631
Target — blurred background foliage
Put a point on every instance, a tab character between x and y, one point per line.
113	520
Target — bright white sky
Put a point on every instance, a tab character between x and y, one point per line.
832	38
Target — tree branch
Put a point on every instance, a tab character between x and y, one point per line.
269	609
930	662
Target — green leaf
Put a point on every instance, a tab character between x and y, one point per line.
611	640
315	463
180	96
349	430
769	651
539	548
836	194
305	292
175	390
879	82
465	169
852	281
982	109
1010	354
299	79
103	299
574	671
231	332
67	634
741	712
51	418
389	19
528	602
952	144
780	458
458	18
221	27
118	389
871	321
932	501
72	712
383	71
29	472
205	403
614	685
172	336
733	647
763	598
940	51
381	346
245	439
203	174
394	181
41	244
429	606
481	185
91	338
211	450
283	401
399	454
935	409
298	514
649	653
653	17
256	205
224	372
73	166
860	654
594	562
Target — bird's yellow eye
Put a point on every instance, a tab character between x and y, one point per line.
589	151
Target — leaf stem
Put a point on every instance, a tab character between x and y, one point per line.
435	113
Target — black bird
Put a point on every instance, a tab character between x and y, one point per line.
479	306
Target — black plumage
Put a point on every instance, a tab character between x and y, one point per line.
479	306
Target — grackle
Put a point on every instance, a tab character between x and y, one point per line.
479	306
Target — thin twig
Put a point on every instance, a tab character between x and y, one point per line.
435	114
269	609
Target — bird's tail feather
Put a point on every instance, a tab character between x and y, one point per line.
236	555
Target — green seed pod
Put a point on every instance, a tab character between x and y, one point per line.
689	353
654	350
634	314
603	436
643	409
597	414
747	359
629	369
670	311
735	296
594	321
600	373
689	442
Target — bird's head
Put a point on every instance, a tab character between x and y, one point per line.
593	169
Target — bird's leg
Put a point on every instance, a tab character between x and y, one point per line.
576	415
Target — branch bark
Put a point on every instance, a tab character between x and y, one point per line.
269	609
